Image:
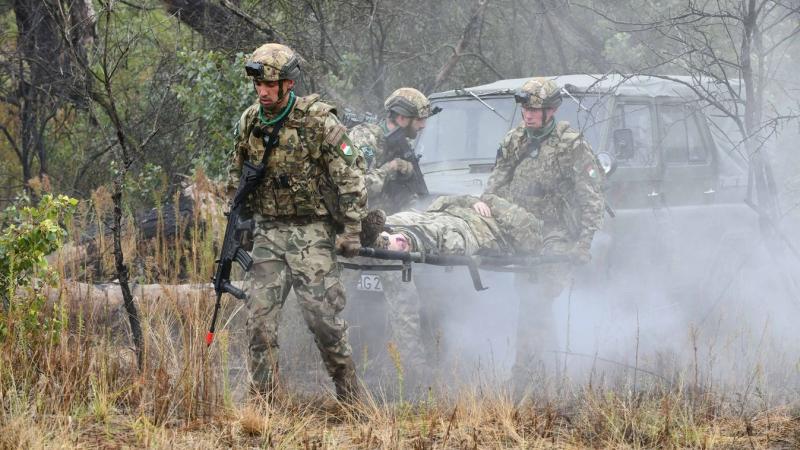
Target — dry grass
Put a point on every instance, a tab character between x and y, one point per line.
85	391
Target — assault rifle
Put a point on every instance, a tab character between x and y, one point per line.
497	263
252	175
397	146
232	250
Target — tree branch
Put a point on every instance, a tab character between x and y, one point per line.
470	31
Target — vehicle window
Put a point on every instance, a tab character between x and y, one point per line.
588	118
680	136
466	129
637	118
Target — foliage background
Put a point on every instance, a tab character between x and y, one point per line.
177	75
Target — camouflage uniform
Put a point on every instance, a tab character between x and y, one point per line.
402	298
371	139
556	177
450	226
294	236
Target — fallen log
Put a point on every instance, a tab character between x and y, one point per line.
102	306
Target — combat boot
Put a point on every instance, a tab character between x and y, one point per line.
372	226
348	387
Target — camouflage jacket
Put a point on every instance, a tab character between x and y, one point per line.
314	152
371	140
560	181
451	226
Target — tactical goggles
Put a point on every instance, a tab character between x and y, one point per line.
522	97
550	102
254	69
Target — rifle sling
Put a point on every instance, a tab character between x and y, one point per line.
271	141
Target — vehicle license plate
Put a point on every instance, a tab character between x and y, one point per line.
369	282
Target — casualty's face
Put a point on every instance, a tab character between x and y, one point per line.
398	242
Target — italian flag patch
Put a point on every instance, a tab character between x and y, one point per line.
346	149
591	171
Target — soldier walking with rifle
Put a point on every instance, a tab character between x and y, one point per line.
288	150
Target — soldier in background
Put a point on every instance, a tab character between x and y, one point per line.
547	168
389	180
295	239
392	183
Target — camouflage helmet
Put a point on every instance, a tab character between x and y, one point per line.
539	93
273	62
409	102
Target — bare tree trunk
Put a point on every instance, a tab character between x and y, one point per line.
122	270
377	48
470	32
106	100
762	178
47	78
556	37
225	26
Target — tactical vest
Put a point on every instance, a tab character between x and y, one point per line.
291	186
543	184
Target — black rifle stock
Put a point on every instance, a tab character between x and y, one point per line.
232	250
397	146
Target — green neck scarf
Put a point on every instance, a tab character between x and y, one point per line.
262	118
541	133
536	137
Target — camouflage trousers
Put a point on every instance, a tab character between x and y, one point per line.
403	315
403	303
302	257
536	334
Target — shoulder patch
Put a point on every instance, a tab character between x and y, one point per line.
369	154
591	170
347	150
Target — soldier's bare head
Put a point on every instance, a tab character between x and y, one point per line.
397	242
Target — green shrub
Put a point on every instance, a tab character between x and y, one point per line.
31	233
